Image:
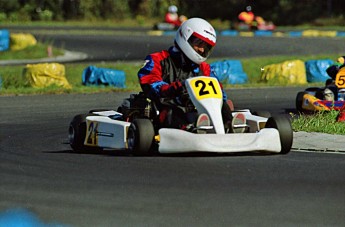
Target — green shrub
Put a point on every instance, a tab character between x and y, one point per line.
3	17
46	15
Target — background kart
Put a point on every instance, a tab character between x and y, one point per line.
241	26
164	26
135	127
312	99
307	102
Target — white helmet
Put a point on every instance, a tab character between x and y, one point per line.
196	32
172	9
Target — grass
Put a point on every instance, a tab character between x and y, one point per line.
40	50
147	23
323	121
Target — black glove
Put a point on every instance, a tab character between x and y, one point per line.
172	90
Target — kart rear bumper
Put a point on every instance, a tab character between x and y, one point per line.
178	141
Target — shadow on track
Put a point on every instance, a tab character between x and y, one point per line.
124	153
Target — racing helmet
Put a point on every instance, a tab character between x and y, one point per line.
196	32
172	9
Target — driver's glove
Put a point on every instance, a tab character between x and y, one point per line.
172	90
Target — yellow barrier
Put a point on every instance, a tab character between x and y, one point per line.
247	34
317	33
287	72
46	74
19	41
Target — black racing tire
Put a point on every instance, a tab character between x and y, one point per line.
299	101
312	89
283	124
260	113
140	137
77	134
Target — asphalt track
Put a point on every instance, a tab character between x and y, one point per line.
41	175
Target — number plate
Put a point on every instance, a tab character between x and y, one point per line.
340	78
206	87
91	138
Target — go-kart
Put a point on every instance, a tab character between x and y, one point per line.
312	100
135	128
315	99
241	26
164	26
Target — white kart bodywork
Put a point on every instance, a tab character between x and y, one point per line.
103	131
265	140
112	134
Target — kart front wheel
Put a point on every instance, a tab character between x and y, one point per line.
77	134
140	137
283	125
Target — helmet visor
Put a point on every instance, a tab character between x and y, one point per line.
201	45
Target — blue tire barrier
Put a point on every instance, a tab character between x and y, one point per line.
295	34
340	34
316	70
103	77
229	71
263	33
229	33
4	39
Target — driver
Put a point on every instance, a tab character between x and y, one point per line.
163	73
172	17
331	91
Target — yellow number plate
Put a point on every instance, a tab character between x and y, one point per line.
340	78
206	88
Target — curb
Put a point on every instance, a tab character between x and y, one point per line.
318	142
68	56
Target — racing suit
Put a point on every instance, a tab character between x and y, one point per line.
163	75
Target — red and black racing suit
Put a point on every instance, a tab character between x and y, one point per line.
163	75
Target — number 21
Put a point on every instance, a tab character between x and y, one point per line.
203	90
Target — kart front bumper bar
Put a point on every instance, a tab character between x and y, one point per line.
178	141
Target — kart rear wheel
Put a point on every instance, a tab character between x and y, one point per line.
283	125
77	133
312	89
140	137
299	101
